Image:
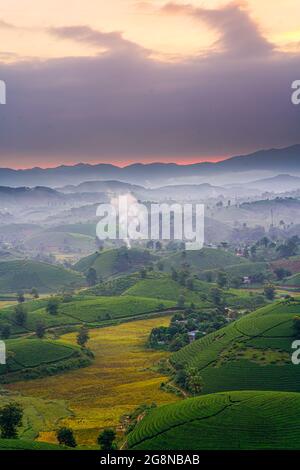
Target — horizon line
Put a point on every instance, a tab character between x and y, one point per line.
117	164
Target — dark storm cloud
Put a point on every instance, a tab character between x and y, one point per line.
123	105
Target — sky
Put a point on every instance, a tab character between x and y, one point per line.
124	81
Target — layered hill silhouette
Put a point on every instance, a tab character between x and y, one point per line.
275	160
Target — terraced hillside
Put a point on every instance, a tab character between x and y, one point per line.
26	274
31	358
252	353
234	420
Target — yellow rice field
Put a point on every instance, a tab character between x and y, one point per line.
119	380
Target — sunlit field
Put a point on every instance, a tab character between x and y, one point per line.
119	380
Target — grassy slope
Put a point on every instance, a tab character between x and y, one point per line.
252	353
160	286
235	420
25	274
38	415
163	287
203	260
33	358
112	262
292	281
20	444
94	311
56	241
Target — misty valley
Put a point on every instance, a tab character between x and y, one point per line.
126	343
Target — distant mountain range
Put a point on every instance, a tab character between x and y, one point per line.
285	160
277	184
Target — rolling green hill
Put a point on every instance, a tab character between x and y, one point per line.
247	268
59	241
113	262
31	358
26	274
93	311
163	287
159	285
203	260
292	281
252	353
81	228
222	421
21	444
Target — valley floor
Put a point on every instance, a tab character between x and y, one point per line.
120	379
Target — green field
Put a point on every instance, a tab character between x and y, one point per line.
252	353
26	274
222	421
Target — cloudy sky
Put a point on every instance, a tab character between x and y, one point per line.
123	81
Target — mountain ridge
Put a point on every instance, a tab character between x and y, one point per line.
274	160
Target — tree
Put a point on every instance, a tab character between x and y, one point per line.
174	274
91	277
83	337
160	266
52	306
194	381
66	437
40	329
20	297
106	439
10	419
34	293
221	279
236	282
181	301
269	292
143	273
5	331
209	276
20	315
289	248
296	323
281	273
216	295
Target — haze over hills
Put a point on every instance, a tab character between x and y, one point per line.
273	161
277	184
